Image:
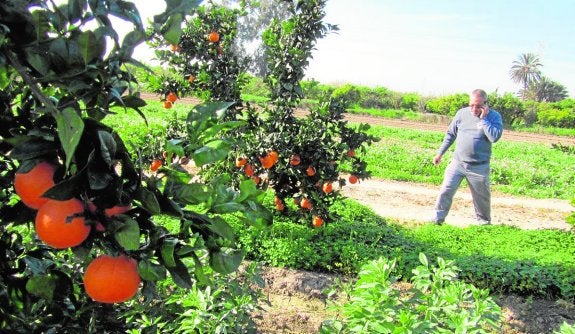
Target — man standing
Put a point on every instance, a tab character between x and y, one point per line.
473	130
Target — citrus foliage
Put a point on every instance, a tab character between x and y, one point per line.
59	77
322	140
436	302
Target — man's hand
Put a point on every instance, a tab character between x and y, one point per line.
484	111
437	159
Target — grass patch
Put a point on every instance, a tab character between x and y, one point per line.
406	154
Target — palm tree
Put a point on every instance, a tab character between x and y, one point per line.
546	90
525	70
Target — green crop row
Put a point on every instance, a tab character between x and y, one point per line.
501	258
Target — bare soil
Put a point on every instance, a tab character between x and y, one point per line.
296	299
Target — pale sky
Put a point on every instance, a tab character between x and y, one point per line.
439	47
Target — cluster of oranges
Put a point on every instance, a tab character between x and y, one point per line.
171	98
267	161
62	224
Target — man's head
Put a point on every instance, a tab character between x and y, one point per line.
477	101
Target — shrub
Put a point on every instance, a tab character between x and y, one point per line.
510	107
560	114
410	101
348	93
437	301
256	86
447	105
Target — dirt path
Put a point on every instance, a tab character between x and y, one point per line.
414	202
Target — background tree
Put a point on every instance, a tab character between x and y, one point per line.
300	158
511	108
258	16
546	90
525	70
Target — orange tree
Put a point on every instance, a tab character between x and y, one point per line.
62	70
300	158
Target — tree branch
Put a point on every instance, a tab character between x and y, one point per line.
30	81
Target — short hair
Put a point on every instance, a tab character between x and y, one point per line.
479	92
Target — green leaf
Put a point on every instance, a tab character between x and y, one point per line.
199	271
131	40
180	275
149	201
150	271
38	61
216	129
108	147
128	235
31	149
423	259
248	189
167	251
90	46
173	29
76	8
219	226
226	262
227	207
132	101
70	129
193	193
42	286
67	189
211	152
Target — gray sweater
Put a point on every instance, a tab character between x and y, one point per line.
472	136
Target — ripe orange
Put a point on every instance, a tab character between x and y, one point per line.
112	279
352	179
327	187
310	171
266	162
59	224
317	221
117	210
256	179
213	37
295	160
306	203
172	97
240	161
167	104
351	153
249	170
277	200
175	48
279	203
30	186
274	156
191	78
155	165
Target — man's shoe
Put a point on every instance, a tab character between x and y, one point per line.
483	222
437	221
